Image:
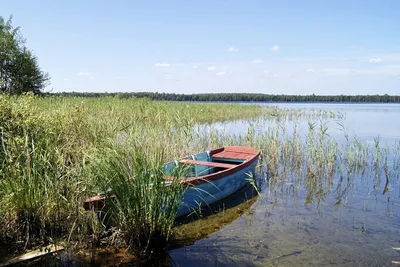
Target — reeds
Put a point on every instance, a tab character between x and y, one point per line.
50	149
55	152
40	167
143	205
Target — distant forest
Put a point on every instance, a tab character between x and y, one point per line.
243	97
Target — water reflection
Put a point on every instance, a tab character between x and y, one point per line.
186	232
214	217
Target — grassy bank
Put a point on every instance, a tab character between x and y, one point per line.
55	152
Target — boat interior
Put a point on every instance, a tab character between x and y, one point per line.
206	163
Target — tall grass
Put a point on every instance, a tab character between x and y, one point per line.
143	204
39	178
51	151
55	152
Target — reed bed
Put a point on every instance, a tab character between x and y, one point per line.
57	151
308	158
144	208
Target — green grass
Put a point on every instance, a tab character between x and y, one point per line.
52	149
142	207
57	151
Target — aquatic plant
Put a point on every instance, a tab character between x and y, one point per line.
143	205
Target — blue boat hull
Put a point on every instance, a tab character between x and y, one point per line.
208	192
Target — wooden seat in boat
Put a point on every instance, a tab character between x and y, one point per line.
208	163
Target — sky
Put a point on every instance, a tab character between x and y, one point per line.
324	47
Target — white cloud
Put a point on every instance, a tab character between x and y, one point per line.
221	73
233	49
65	79
258	61
194	67
275	48
310	70
122	78
275	75
85	74
91	78
168	77
211	68
266	71
162	65
375	60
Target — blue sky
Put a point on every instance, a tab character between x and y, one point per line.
276	47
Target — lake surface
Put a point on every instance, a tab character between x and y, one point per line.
352	224
366	121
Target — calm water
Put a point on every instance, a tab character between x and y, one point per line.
280	229
366	121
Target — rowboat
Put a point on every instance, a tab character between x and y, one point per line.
211	176
217	174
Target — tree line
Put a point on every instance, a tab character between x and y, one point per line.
243	97
19	68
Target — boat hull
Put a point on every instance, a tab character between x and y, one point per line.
211	176
208	192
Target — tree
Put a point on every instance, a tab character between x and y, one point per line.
19	68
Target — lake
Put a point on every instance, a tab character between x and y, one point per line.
352	223
367	121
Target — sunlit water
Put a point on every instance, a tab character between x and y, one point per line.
366	121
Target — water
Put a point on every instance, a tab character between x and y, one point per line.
366	121
289	233
351	223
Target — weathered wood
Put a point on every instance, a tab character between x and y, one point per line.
210	164
239	153
33	254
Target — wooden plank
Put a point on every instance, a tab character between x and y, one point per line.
33	254
210	164
232	155
222	155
